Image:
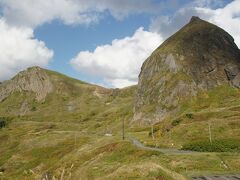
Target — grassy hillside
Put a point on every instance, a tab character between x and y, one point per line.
71	101
75	114
66	136
217	108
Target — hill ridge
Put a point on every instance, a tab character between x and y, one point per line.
34	79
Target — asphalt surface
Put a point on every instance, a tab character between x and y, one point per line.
177	151
225	177
163	150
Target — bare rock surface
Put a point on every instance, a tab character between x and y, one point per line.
200	56
33	80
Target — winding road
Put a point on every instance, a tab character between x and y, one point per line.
163	150
177	151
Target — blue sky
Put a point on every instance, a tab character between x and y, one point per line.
67	41
102	42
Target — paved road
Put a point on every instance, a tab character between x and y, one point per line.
163	150
227	177
177	151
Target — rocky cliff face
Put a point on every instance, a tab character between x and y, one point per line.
200	56
33	80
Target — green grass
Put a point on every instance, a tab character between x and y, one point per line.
50	138
218	107
221	145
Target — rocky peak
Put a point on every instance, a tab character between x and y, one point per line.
34	79
199	56
195	19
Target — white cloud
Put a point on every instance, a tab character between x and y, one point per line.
36	12
33	13
118	63
226	17
20	50
208	3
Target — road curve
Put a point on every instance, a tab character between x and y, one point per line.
163	150
177	151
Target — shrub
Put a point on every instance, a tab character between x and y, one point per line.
33	108
220	145
2	123
97	125
2	169
155	129
189	116
176	122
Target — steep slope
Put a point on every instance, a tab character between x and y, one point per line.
75	131
42	95
53	120
199	57
63	134
34	80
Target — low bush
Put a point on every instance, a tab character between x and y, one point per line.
220	145
33	108
176	122
189	116
2	123
155	129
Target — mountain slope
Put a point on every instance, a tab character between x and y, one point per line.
54	122
34	80
56	127
43	95
199	57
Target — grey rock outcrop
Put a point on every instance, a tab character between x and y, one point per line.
200	56
33	80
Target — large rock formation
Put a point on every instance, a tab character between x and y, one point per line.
33	80
200	56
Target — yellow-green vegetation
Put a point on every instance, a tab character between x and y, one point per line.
76	133
217	109
31	149
72	101
211	114
223	145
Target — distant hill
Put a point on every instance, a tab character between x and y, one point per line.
40	94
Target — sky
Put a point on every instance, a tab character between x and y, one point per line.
101	42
